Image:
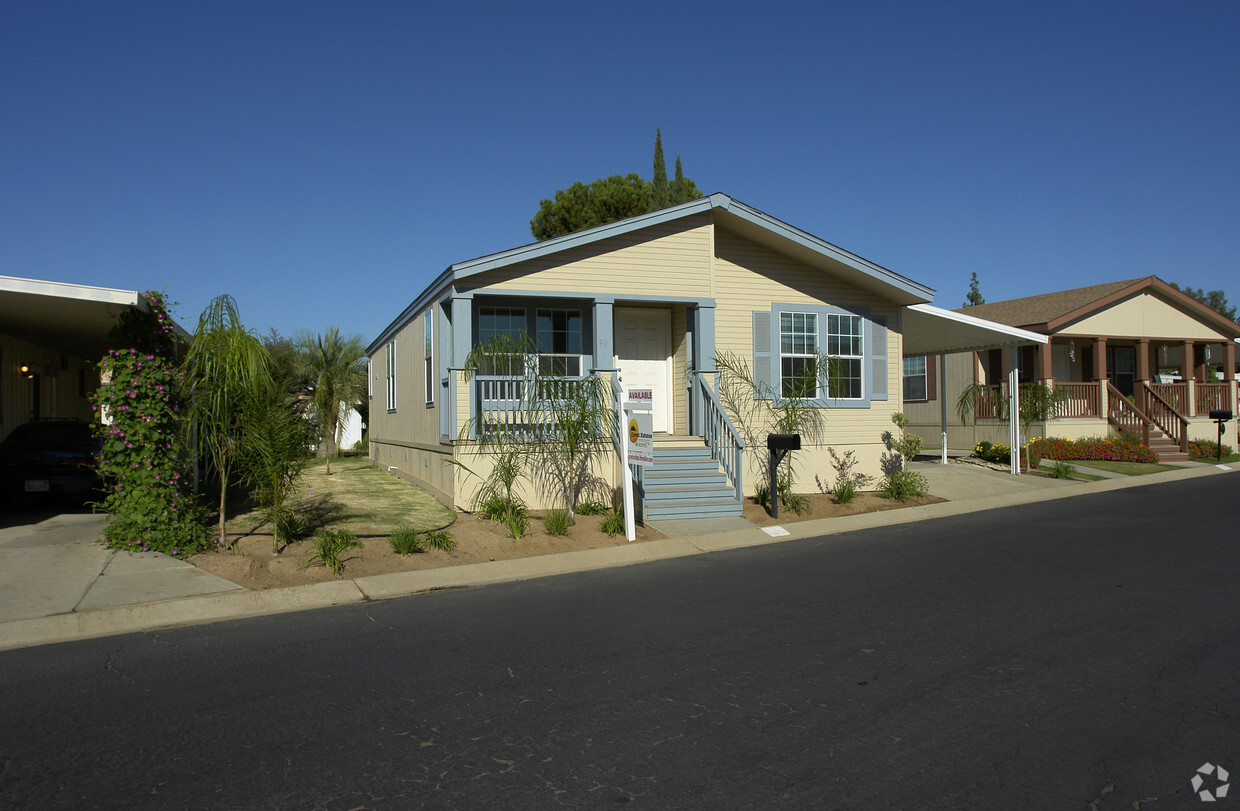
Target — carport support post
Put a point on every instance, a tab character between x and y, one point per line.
943	406
1014	413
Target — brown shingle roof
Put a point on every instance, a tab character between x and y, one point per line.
1033	310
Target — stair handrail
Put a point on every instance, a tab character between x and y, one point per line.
726	445
1163	414
1124	413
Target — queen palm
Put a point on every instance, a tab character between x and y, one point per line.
334	368
224	365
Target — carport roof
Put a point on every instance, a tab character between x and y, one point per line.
70	318
930	330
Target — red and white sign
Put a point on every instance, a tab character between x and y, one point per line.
640	400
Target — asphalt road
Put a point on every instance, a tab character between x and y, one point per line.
1075	654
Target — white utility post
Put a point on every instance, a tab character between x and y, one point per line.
1014	413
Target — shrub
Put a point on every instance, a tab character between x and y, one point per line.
518	524
592	508
406	541
796	502
1206	449
557	522
845	493
762	495
1062	470
1110	449
904	485
847	480
613	524
329	545
440	539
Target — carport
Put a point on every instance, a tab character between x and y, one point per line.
934	332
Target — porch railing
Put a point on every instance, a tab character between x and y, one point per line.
503	407
1174	394
725	442
1125	415
1212	396
990	408
1080	400
1166	417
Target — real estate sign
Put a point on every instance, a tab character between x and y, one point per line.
640	428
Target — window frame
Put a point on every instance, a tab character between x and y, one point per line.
873	367
924	374
792	355
428	350
391	376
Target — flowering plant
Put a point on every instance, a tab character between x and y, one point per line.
142	459
1112	449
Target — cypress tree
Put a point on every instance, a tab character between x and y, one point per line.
660	194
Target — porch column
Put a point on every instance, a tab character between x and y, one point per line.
1045	369
462	344
1229	375
1008	361
1100	374
1143	360
1187	358
703	360
604	334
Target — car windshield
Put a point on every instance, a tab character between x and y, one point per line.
50	433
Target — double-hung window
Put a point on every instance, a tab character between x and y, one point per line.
391	376
798	354
915	388
508	325
845	348
559	342
428	352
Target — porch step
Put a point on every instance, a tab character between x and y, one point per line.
1165	448
685	482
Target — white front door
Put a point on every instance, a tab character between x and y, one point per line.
643	356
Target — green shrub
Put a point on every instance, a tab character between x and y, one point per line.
440	539
845	493
406	540
613	524
1206	449
592	508
518	524
1062	470
904	485
329	545
796	502
762	495
557	522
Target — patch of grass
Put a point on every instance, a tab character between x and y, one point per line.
518	524
557	522
440	539
329	545
1127	468
406	540
592	508
357	498
613	524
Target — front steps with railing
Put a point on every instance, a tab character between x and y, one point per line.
1165	448
685	482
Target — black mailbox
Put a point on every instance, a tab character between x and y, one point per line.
1220	414
783	442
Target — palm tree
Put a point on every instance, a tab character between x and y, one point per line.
335	372
224	365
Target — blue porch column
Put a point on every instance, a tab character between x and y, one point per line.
462	343
703	360
604	335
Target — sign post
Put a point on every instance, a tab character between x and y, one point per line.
636	445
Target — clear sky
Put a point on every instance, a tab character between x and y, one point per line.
322	162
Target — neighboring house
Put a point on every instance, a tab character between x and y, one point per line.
647	302
52	336
1136	354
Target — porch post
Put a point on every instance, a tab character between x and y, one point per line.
1229	376
1100	373
943	405
703	358
1186	374
1045	369
1143	360
604	352
462	344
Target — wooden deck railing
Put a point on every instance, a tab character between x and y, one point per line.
1080	400
1212	396
1125	415
1175	394
1167	418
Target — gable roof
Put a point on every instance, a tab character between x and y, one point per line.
1050	312
733	214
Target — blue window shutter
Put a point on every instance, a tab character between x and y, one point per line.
878	359
762	366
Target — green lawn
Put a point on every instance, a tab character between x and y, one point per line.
1127	468
356	497
1210	460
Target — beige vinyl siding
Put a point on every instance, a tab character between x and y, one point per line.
750	277
1145	316
671	259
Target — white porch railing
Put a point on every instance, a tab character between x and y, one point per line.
721	436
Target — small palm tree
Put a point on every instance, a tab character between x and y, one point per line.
335	372
224	365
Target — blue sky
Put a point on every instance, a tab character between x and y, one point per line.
323	162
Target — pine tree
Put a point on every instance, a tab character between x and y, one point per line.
660	194
975	295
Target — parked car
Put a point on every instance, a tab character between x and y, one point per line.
50	456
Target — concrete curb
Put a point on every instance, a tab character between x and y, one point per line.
232	605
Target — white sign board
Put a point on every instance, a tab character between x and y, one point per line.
640	428
640	400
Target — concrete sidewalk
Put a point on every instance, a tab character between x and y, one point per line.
58	584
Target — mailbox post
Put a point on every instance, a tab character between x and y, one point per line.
1221	417
778	446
